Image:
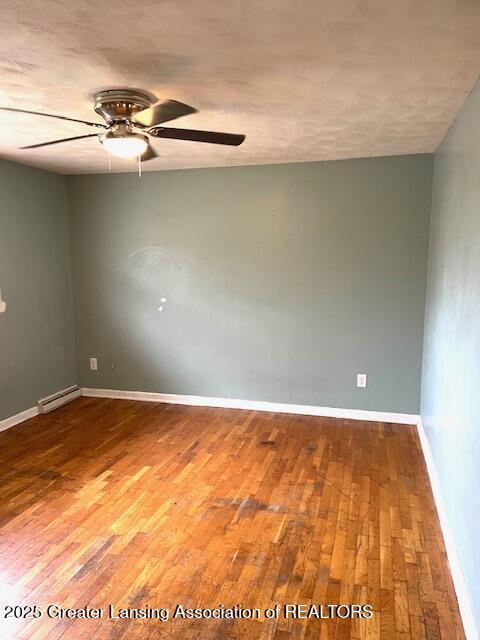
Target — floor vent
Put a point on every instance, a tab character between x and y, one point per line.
58	399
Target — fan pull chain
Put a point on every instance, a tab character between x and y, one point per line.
139	167
109	161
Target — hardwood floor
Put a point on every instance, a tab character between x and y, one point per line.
136	504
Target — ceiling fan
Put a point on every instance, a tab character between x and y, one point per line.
132	116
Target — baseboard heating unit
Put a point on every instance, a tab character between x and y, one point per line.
58	399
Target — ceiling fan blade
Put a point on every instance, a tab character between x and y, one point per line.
46	144
149	154
213	137
162	112
51	115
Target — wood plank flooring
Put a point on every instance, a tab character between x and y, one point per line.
147	505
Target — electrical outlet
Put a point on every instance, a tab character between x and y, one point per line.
93	364
361	380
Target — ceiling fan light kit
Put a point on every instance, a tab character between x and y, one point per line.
131	118
123	143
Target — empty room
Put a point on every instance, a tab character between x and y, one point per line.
240	320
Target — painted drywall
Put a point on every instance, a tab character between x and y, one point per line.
281	281
451	368
37	354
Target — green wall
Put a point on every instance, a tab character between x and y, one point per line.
451	371
282	282
37	355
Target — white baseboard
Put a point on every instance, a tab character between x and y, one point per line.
461	590
19	417
254	405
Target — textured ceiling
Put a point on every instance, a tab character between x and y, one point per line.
304	80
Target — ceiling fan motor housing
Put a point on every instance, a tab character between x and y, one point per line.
119	105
